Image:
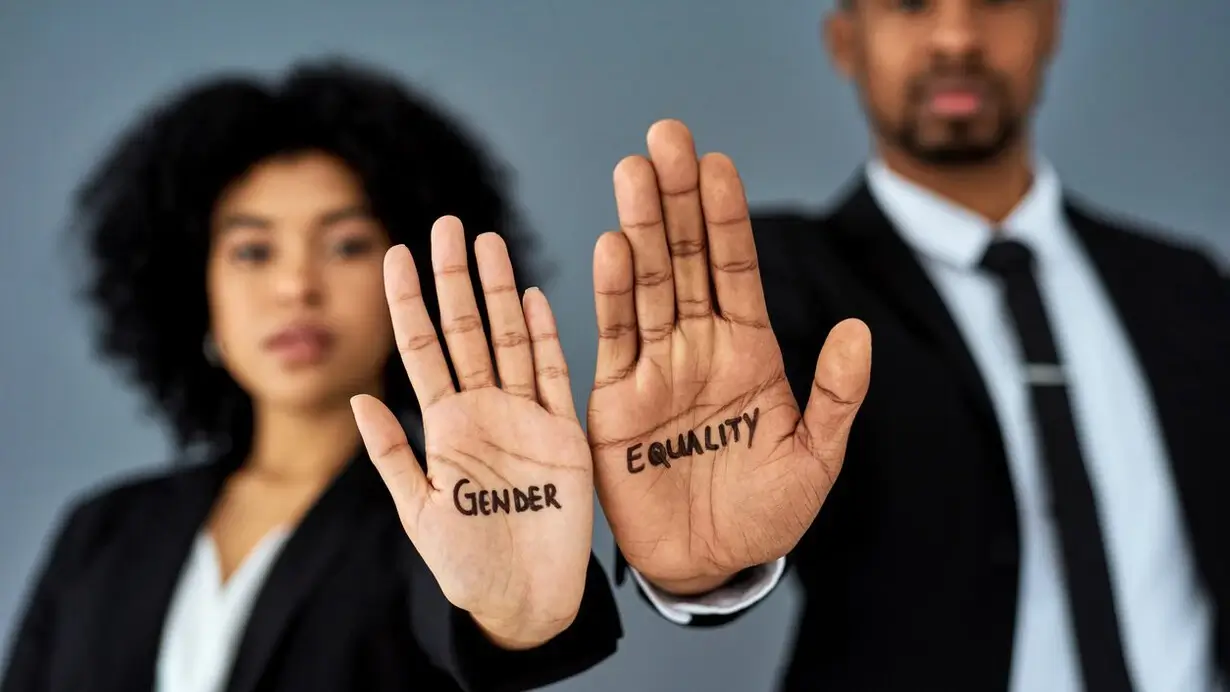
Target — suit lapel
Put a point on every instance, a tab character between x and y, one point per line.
1184	370
1175	361
304	560
143	580
1164	353
883	261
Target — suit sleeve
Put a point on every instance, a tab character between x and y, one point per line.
29	659
800	322
1225	289
454	642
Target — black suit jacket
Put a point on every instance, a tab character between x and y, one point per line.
348	604
910	570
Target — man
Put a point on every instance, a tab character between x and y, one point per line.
1032	494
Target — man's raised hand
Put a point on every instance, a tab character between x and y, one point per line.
704	464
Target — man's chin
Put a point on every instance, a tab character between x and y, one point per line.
958	144
955	156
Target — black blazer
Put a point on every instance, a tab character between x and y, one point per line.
910	569
348	605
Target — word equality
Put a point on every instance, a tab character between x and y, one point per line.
716	437
488	502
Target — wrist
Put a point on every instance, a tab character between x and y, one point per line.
691	586
517	636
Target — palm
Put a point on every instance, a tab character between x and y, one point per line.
704	463
488	438
504	513
702	392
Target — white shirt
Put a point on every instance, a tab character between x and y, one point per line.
1166	617
207	618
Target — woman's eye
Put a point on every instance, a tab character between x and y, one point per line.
912	5
353	247
251	252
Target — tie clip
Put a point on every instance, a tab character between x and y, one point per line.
1045	375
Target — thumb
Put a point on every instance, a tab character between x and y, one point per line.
843	373
390	452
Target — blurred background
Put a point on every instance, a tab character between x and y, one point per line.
1135	118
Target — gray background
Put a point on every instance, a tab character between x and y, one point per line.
1136	117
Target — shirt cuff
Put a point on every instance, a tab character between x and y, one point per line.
757	583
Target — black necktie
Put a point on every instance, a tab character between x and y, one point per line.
1073	505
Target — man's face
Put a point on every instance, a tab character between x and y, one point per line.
946	81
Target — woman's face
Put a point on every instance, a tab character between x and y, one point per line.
296	294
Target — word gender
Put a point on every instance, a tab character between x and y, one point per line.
716	437
488	502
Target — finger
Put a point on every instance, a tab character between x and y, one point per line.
640	217
616	309
843	373
673	154
511	340
413	329
732	249
389	451
459	319
550	368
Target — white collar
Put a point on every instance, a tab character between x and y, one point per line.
943	230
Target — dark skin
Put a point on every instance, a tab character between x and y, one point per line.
907	56
949	87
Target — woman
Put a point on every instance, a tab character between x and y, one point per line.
237	238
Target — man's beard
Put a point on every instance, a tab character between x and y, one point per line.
962	144
960	148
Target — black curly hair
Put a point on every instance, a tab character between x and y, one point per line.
144	213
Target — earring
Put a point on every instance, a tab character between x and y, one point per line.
210	349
